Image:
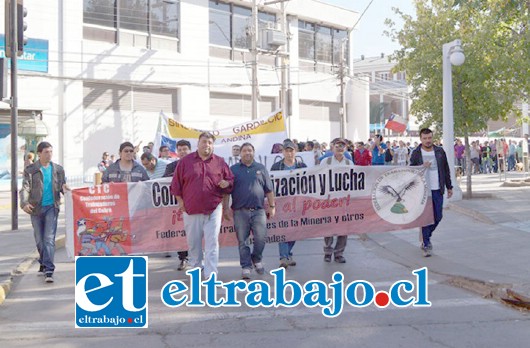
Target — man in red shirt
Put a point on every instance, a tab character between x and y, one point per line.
362	156
200	183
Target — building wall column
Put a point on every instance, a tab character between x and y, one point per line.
358	109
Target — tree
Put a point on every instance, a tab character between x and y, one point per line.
495	75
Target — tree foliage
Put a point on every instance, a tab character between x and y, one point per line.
495	37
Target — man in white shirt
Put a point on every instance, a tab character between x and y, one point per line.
438	178
338	158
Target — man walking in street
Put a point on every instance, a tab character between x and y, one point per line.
438	179
40	197
251	184
201	182
338	158
288	162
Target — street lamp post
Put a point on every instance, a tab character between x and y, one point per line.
452	55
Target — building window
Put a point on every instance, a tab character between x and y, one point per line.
241	22
383	76
220	24
324	44
229	24
164	18
133	15
148	17
320	43
306	40
266	19
340	38
401	76
100	12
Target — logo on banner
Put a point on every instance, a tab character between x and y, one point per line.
111	292
399	195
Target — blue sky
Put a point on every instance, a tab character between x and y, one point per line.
369	39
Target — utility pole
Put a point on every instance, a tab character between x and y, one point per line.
254	51
342	73
13	48
284	58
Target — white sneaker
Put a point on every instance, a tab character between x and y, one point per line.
245	274
258	266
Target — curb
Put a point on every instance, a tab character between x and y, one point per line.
23	267
471	213
514	295
517	183
509	294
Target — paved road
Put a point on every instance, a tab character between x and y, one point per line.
480	249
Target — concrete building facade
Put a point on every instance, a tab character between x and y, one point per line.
101	71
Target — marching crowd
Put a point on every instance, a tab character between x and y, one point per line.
491	156
208	190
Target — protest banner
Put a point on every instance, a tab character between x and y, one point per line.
265	134
143	217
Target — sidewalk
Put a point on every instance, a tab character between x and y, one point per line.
17	248
481	244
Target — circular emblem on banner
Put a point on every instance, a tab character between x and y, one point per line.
399	195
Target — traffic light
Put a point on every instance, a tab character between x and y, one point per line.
7	29
3	78
22	40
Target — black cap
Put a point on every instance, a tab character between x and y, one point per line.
289	144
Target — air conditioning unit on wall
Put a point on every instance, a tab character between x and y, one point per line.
271	39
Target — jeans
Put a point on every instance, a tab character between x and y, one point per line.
486	165
44	230
244	221
183	255
198	226
437	206
511	162
340	246
285	249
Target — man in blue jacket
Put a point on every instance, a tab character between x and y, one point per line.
438	179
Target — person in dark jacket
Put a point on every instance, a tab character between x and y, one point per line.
438	179
40	196
126	169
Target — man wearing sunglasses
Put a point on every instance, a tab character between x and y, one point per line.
126	169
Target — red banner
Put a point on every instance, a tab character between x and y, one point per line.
137	218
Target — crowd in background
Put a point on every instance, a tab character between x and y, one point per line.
487	156
491	156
